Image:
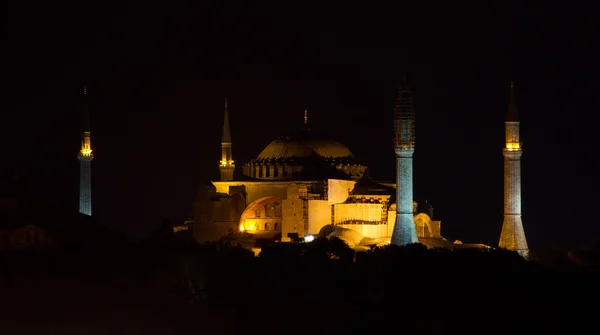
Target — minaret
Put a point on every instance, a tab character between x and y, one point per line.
306	118
404	146
512	236
226	166
85	162
305	126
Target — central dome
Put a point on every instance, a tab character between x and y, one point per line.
305	144
304	155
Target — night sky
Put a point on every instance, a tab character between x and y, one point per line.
157	76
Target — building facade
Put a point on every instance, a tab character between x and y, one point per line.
306	184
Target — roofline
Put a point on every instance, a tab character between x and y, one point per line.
280	182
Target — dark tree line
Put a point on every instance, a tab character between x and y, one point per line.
321	287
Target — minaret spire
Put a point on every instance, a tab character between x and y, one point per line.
86	114
226	133
404	145
306	117
226	166
512	114
512	236
85	157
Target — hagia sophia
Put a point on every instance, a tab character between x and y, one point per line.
307	185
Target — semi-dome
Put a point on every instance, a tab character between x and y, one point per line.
304	154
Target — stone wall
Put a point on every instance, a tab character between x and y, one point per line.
319	215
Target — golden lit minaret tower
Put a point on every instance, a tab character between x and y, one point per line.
85	162
512	236
404	145
226	165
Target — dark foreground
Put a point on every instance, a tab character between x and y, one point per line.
316	288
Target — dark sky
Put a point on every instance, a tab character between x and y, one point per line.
157	75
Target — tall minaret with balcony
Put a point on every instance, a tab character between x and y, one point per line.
85	162
512	236
404	145
226	165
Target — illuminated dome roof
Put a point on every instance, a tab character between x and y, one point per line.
305	144
304	155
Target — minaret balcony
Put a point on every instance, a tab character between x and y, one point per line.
514	146
86	153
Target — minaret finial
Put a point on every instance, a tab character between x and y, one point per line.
306	116
226	133
226	165
85	121
512	114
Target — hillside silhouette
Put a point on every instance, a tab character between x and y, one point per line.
164	285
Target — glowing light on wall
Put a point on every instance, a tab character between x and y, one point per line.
309	238
249	225
513	146
86	147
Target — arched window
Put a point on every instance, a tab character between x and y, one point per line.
267	226
276	226
257	212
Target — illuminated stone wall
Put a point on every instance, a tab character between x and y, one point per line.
358	211
391	221
404	228
292	220
369	230
339	190
512	236
85	184
262	215
319	215
436	228
256	190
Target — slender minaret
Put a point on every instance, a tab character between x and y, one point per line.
404	146
306	117
512	236
85	162
226	166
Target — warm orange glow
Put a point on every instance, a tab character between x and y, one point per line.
225	163
86	147
249	225
513	146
